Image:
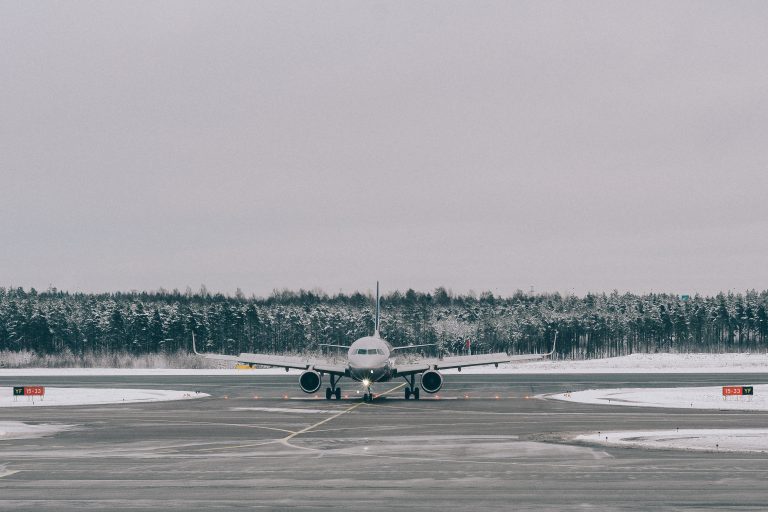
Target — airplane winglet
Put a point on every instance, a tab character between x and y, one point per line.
378	311
194	348
554	344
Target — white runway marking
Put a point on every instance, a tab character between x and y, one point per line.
283	409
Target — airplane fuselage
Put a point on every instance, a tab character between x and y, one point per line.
370	359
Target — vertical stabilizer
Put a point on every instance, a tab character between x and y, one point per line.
378	310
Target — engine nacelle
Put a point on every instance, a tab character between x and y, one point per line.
431	381
310	381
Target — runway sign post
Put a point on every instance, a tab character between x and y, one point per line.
30	391
738	391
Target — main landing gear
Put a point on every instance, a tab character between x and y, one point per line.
333	391
411	390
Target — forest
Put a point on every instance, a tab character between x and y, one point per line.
79	326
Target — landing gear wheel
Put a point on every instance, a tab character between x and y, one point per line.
327	393
407	393
366	398
416	394
337	393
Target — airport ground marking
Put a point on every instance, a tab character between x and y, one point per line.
243	425
286	440
326	420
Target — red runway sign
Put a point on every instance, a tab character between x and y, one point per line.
737	390
34	390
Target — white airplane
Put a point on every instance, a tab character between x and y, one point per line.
371	359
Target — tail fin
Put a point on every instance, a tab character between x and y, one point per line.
378	310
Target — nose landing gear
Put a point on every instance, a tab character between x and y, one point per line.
368	396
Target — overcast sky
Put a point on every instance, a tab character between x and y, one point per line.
569	146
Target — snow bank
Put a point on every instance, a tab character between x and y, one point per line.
636	363
724	440
677	398
93	396
19	430
640	363
118	372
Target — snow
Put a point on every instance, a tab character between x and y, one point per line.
636	363
92	396
640	363
137	372
724	440
19	430
709	397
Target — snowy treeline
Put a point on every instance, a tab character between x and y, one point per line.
596	325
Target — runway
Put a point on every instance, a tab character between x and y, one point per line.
486	444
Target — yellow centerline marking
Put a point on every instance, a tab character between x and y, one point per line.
326	420
285	440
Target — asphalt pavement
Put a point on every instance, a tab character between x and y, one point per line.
486	442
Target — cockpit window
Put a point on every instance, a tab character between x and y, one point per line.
369	351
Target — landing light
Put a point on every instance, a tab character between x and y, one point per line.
366	382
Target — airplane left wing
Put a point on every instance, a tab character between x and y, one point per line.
476	360
451	362
410	369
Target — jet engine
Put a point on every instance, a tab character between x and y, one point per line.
310	381
431	381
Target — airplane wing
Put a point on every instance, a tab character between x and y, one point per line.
286	362
410	369
414	346
475	360
334	369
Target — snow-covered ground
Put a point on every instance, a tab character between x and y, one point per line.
92	396
146	372
636	363
644	363
677	398
724	440
19	430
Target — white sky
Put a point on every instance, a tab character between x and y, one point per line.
572	146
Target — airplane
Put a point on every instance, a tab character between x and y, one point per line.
371	359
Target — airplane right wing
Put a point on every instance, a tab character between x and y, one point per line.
286	362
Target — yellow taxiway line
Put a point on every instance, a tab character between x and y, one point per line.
326	420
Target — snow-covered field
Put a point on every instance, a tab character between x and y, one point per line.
645	363
724	440
736	440
636	363
676	398
93	396
19	430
